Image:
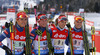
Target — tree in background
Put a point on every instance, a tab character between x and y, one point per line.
96	7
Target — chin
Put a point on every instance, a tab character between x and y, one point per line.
78	27
23	26
44	26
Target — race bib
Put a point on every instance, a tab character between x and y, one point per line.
78	44
59	42
19	43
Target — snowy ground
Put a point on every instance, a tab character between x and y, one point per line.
2	52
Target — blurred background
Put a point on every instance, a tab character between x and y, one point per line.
53	8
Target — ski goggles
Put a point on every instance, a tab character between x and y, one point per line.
79	18
23	16
63	19
42	17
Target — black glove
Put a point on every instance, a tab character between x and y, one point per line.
7	25
52	49
68	25
35	7
38	32
8	51
94	49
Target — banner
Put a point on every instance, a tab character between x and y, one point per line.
97	41
90	23
11	14
2	18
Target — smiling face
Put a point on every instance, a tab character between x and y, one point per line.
78	24
22	22
42	22
62	24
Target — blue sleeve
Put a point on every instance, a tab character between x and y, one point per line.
5	34
33	34
67	40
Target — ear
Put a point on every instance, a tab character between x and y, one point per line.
17	20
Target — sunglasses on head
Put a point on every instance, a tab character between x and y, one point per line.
42	17
79	19
64	18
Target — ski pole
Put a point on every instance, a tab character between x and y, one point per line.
28	40
93	39
38	45
35	7
67	9
85	38
51	48
39	34
70	38
12	36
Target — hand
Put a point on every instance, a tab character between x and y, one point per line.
93	49
7	25
38	32
8	51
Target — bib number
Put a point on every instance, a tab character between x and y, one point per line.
19	43
59	42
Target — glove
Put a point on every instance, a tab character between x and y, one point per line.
52	49
8	51
7	25
35	7
94	49
38	32
68	25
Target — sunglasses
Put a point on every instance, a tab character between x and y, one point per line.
22	16
79	19
63	18
42	17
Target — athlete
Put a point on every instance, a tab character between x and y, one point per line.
19	36
59	35
76	37
42	21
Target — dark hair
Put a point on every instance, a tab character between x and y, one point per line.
56	22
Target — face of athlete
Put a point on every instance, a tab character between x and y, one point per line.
42	23
22	22
78	24
62	24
